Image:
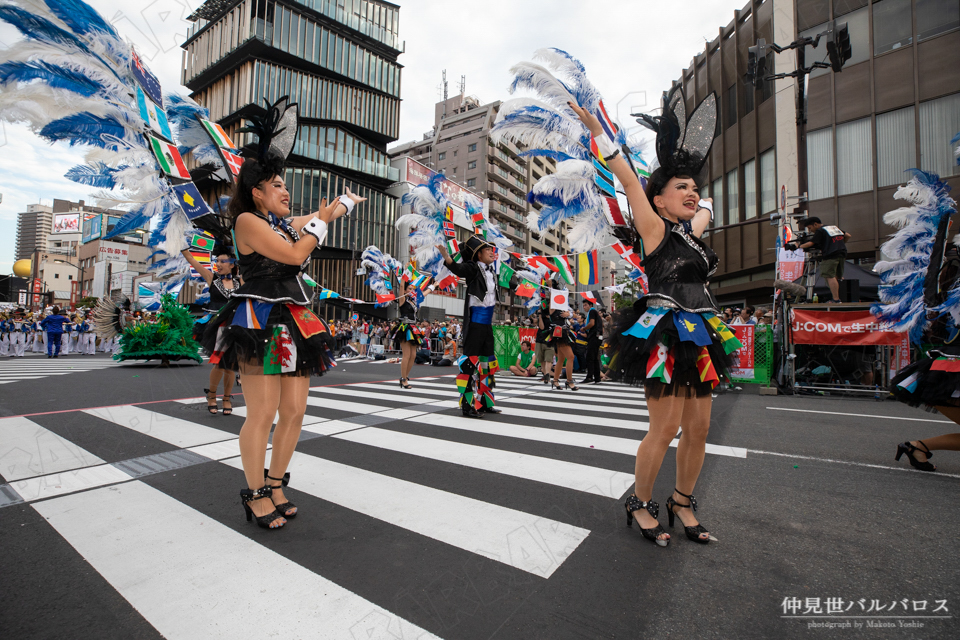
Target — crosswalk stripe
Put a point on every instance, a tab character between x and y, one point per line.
583	404
525	541
353	392
580	477
160	555
28	449
180	433
566	418
351	407
541	388
556	436
66	482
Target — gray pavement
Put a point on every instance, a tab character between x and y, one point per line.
120	516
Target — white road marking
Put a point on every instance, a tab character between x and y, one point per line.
157	553
27	449
180	433
860	415
570	475
524	541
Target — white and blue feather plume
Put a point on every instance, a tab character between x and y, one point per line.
909	290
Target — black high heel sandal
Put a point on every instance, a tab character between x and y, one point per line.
653	534
693	533
907	448
228	405
249	495
211	401
407	385
555	386
572	386
284	481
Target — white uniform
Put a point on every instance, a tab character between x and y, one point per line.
19	338
4	339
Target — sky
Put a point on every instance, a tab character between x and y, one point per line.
632	50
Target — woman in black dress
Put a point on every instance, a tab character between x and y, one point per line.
406	333
562	337
678	370
222	283
267	333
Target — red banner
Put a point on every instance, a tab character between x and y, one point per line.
840	327
528	335
903	354
743	357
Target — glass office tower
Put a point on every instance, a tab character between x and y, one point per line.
338	60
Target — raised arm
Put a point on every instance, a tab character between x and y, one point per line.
646	221
255	235
343	205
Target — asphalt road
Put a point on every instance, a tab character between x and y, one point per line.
120	516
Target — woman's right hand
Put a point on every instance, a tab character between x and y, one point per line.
589	120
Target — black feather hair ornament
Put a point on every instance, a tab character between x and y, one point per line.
276	131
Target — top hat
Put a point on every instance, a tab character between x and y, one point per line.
472	247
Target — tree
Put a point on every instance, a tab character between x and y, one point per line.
629	295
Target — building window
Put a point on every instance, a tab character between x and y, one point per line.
939	122
56	276
854	157
455	169
892	25
472	182
716	191
748	97
936	16
472	147
442	155
896	145
750	190
730	107
454	153
733	202
768	181
472	164
767	89
820	164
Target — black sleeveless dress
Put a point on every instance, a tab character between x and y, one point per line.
671	340
406	330
266	326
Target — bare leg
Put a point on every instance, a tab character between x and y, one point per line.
293	404
216	374
665	416
834	288
409	351
947	442
262	394
690	453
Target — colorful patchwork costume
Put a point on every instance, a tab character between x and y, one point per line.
478	364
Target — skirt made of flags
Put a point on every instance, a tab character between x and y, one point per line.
671	352
408	331
930	382
266	338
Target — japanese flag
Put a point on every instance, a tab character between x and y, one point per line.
559	300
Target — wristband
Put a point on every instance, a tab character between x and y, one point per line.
316	228
347	202
704	204
607	147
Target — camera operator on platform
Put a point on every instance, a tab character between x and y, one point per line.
831	241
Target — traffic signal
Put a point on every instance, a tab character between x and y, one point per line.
838	44
757	63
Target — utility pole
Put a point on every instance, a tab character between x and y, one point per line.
838	51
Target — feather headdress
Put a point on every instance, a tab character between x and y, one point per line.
379	267
548	127
428	211
911	292
73	79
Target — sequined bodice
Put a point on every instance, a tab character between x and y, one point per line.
679	270
269	280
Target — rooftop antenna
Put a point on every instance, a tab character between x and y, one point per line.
463	90
444	94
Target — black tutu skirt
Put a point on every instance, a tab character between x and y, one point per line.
259	338
405	331
930	382
649	349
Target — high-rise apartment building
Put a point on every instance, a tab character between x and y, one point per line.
338	61
460	147
33	227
